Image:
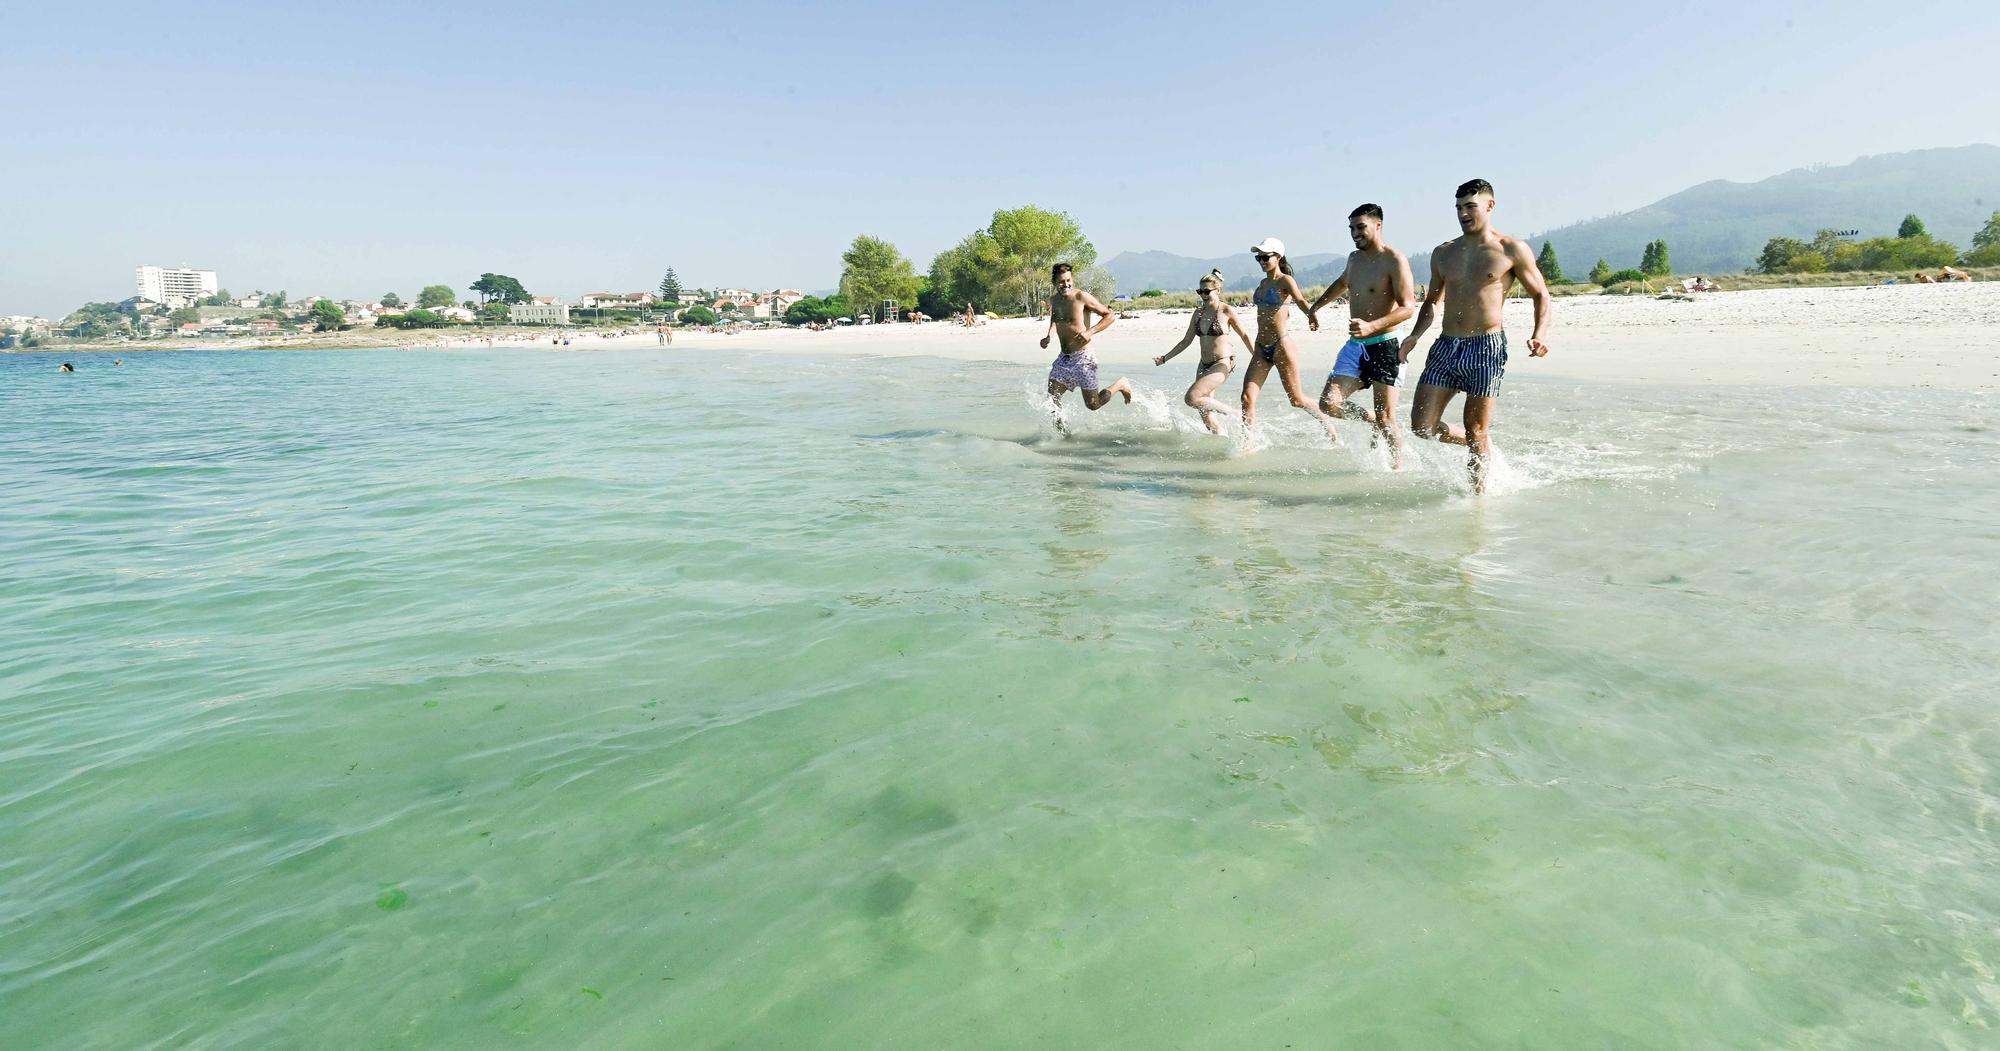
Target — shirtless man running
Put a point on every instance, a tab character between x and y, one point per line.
1069	322
1380	295
1471	275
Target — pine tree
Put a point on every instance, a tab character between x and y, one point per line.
1599	272
1552	271
1656	263
670	287
1912	226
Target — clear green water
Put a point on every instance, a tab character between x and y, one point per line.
634	700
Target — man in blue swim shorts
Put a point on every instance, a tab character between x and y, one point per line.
1380	295
1470	275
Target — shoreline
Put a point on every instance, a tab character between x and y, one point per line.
1908	336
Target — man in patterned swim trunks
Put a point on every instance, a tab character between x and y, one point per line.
1471	275
1380	295
1076	367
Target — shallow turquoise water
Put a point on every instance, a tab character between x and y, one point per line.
382	699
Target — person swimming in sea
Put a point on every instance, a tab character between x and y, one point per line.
67	367
1207	325
1275	349
1076	367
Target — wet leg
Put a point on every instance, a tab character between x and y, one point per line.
1288	374
1427	414
1385	422
1201	398
1333	400
1253	381
1097	399
1478	421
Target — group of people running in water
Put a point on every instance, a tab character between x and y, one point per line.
1470	276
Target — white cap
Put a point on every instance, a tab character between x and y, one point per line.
1269	246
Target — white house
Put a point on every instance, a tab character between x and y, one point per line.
619	300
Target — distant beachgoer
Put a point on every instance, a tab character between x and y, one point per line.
1925	279
1075	366
67	367
1273	297
1215	366
968	315
1471	275
1953	274
1381	294
118	361
662	333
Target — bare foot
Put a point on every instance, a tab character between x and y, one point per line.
1124	386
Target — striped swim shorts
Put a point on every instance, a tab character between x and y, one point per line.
1473	364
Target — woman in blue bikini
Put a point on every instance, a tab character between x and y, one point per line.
1273	297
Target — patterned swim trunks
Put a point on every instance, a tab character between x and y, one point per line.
1473	364
1078	371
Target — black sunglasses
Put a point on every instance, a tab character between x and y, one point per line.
1203	291
1261	256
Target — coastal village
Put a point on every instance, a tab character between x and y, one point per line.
185	303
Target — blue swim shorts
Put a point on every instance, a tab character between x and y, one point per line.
1473	364
1374	360
1348	361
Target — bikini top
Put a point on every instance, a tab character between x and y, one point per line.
1208	324
1276	298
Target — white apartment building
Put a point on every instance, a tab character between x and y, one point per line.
539	313
176	286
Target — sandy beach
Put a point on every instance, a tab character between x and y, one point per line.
1944	336
1911	336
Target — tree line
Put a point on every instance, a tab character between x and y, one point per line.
1654	261
1002	265
1913	248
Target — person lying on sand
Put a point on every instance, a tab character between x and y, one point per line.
1215	365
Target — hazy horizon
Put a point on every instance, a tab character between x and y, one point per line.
374	149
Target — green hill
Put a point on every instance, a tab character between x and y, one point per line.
1721	226
1718	226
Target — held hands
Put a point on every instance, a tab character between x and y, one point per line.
1045	342
1159	359
1312	319
1358	329
1537	348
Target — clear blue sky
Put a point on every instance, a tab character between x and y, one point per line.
356	148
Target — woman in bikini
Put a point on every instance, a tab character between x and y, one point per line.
1274	296
1207	326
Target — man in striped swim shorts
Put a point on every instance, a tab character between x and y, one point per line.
1470	275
